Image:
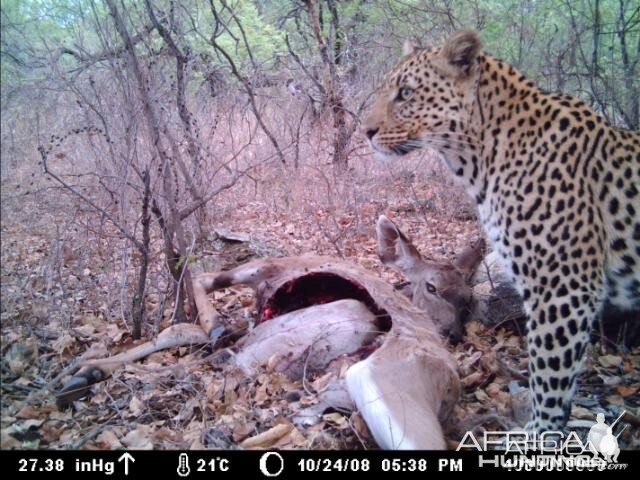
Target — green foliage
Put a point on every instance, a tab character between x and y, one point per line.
555	42
262	36
189	260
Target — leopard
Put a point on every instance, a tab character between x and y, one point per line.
556	187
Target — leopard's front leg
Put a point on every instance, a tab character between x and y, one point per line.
560	322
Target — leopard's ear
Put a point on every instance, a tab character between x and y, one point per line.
408	48
461	50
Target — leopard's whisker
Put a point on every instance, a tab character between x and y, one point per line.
435	142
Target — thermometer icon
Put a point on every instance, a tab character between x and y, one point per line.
183	465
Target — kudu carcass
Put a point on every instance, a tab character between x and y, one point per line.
312	310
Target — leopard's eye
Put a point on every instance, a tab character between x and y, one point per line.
404	94
430	287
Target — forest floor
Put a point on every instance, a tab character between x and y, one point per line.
59	282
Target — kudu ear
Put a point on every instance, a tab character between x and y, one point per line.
394	248
468	260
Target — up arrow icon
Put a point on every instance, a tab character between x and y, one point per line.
126	457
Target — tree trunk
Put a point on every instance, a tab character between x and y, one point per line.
138	297
172	222
334	98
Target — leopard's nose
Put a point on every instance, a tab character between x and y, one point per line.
370	132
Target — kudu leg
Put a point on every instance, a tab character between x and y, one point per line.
94	371
205	283
208	316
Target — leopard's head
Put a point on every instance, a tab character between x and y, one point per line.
428	95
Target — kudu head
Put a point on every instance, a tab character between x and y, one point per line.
435	286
